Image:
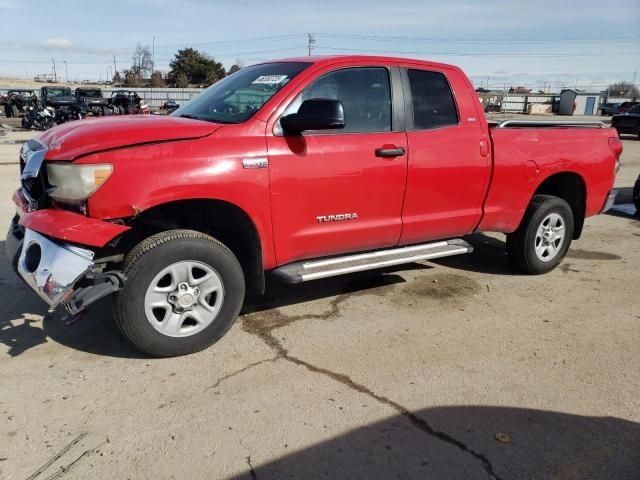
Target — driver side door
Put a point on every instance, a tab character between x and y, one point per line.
331	191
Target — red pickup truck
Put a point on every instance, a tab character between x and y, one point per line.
305	168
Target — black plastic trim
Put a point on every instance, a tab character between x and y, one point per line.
398	117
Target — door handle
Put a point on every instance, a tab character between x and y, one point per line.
390	151
484	148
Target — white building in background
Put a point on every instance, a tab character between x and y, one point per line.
579	102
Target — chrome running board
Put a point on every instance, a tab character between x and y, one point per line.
303	271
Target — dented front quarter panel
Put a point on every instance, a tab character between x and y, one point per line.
206	168
72	227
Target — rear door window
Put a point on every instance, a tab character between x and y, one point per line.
432	100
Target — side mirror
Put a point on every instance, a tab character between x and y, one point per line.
314	114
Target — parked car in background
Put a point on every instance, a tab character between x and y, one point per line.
306	168
628	122
625	106
56	97
92	98
609	108
170	106
128	102
17	100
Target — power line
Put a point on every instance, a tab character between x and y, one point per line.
466	54
225	54
242	40
408	38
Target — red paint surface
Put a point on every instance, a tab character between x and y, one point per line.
74	139
449	182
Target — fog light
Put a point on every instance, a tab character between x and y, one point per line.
32	258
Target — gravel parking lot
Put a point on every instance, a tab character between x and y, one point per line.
457	368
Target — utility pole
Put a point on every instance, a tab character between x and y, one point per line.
66	70
153	55
311	42
115	69
55	77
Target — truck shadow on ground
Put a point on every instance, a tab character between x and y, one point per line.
469	442
489	256
96	333
26	324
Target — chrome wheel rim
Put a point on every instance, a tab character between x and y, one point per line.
184	298
550	237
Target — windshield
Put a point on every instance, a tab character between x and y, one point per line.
91	93
635	109
238	97
59	92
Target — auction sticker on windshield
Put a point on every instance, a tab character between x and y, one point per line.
269	79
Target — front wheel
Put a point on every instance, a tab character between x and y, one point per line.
183	292
544	236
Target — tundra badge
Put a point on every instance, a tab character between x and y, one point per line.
337	218
255	163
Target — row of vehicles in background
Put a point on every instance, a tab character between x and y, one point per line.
616	108
628	122
57	105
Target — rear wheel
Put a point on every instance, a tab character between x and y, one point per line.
543	237
183	292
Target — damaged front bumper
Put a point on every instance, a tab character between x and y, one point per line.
60	273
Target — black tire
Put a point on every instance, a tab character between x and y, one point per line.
7	111
521	244
146	261
636	195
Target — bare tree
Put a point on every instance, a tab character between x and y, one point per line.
181	80
157	80
142	61
132	78
623	89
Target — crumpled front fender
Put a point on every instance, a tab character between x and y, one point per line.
72	227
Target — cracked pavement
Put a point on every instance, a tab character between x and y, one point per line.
455	369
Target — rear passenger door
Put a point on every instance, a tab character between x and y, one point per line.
449	158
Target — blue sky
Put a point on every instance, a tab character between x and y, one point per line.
556	43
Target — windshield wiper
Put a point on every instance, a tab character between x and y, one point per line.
190	115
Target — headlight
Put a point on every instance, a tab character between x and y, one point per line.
76	182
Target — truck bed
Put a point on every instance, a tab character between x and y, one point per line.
527	152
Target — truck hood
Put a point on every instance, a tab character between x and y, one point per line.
76	139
